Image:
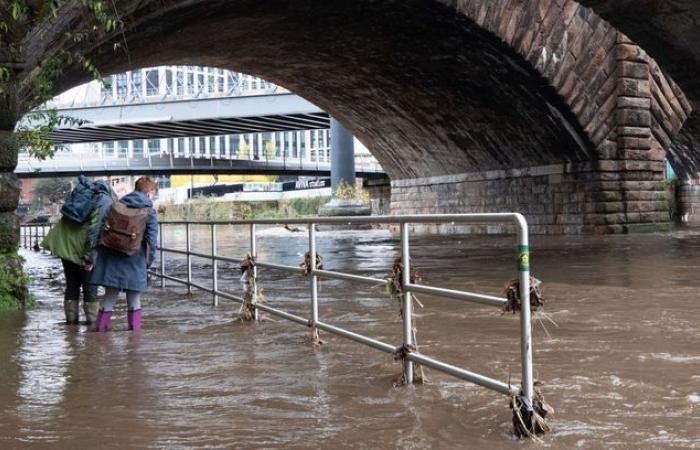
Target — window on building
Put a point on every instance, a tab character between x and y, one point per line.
106	88
138	148
136	83
122	86
179	82
202	147
152	82
200	81
211	81
122	148
154	146
108	148
169	89
190	82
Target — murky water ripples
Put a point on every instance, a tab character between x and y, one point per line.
621	366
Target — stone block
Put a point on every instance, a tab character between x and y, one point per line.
9	192
9	232
634	118
634	69
8	151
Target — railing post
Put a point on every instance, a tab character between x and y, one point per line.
254	254
189	258
525	323
162	256
214	266
314	282
407	304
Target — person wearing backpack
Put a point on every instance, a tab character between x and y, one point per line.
69	240
125	249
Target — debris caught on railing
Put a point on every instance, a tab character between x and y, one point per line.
512	291
306	265
395	290
252	295
529	418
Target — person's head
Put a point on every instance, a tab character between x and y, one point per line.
147	186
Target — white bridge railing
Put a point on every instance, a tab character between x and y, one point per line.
405	349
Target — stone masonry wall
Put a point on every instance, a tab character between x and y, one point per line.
555	200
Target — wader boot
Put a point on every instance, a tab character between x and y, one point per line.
133	316
72	310
102	323
91	310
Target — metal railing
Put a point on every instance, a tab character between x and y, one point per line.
31	235
406	349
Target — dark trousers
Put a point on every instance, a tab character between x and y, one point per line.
76	279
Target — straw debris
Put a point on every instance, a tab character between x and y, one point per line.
395	290
252	294
306	265
529	418
512	291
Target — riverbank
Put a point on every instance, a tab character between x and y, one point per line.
208	209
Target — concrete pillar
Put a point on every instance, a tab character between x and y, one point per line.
342	171
342	156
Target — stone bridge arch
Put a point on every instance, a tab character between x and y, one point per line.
475	105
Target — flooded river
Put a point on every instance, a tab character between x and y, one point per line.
622	369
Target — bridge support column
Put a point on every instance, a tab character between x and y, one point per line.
343	202
13	290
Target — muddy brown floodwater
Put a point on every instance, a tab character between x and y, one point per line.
622	369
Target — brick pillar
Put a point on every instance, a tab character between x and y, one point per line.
628	194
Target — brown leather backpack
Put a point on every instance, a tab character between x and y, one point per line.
124	228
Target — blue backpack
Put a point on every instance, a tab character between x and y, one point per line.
79	203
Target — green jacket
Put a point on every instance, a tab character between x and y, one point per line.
72	241
69	240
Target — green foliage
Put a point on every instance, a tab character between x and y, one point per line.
244	151
207	209
270	150
52	189
345	191
14	294
24	87
33	132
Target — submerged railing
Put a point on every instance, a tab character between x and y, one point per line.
31	234
406	348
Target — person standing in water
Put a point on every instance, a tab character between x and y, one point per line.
125	248
69	240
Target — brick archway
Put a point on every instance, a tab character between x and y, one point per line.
465	103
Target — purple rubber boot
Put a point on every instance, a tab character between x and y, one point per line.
134	319
102	323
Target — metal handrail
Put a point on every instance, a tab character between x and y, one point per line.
409	356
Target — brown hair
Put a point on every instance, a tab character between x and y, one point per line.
145	185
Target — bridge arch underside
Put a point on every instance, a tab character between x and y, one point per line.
476	107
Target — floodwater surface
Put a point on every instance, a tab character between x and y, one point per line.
621	367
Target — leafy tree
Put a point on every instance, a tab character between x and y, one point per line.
270	150
244	150
52	189
25	84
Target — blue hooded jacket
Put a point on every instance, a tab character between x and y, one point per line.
114	269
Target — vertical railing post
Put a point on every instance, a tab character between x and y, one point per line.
525	323
254	254
23	235
162	255
407	304
313	282
189	258
214	266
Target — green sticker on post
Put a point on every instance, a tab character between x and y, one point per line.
523	258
